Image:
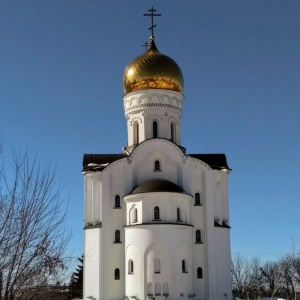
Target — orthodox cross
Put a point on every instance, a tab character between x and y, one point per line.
152	15
145	45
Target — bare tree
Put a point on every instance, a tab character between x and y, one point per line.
255	287
240	279
273	278
289	275
33	237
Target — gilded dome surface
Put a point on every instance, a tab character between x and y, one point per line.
152	70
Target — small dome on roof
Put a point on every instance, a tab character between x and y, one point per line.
157	185
152	70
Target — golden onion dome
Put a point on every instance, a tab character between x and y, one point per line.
152	70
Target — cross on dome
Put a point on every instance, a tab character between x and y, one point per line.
146	44
152	15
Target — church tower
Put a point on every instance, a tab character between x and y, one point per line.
153	86
156	220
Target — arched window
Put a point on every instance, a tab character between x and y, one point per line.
157	265
117	274
166	289
178	214
199	273
136	133
130	267
117	201
149	289
173	133
117	236
155	129
184	266
156	213
157	289
198	236
135	215
197	199
157	165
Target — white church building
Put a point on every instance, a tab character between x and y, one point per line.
156	219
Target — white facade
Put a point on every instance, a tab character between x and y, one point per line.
156	219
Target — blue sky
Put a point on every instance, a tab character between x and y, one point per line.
61	68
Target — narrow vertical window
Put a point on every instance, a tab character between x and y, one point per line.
157	165
155	129
184	266
157	265
117	274
135	215
197	199
198	236
117	201
178	214
130	267
136	133
199	273
157	289
149	289
117	236
173	134
166	289
156	213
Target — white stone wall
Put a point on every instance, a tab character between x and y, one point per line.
171	243
144	244
143	107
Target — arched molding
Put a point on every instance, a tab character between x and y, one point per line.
152	252
168	159
173	119
159	140
131	214
154	154
155	116
135	119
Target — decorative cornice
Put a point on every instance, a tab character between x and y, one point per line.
152	98
157	223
